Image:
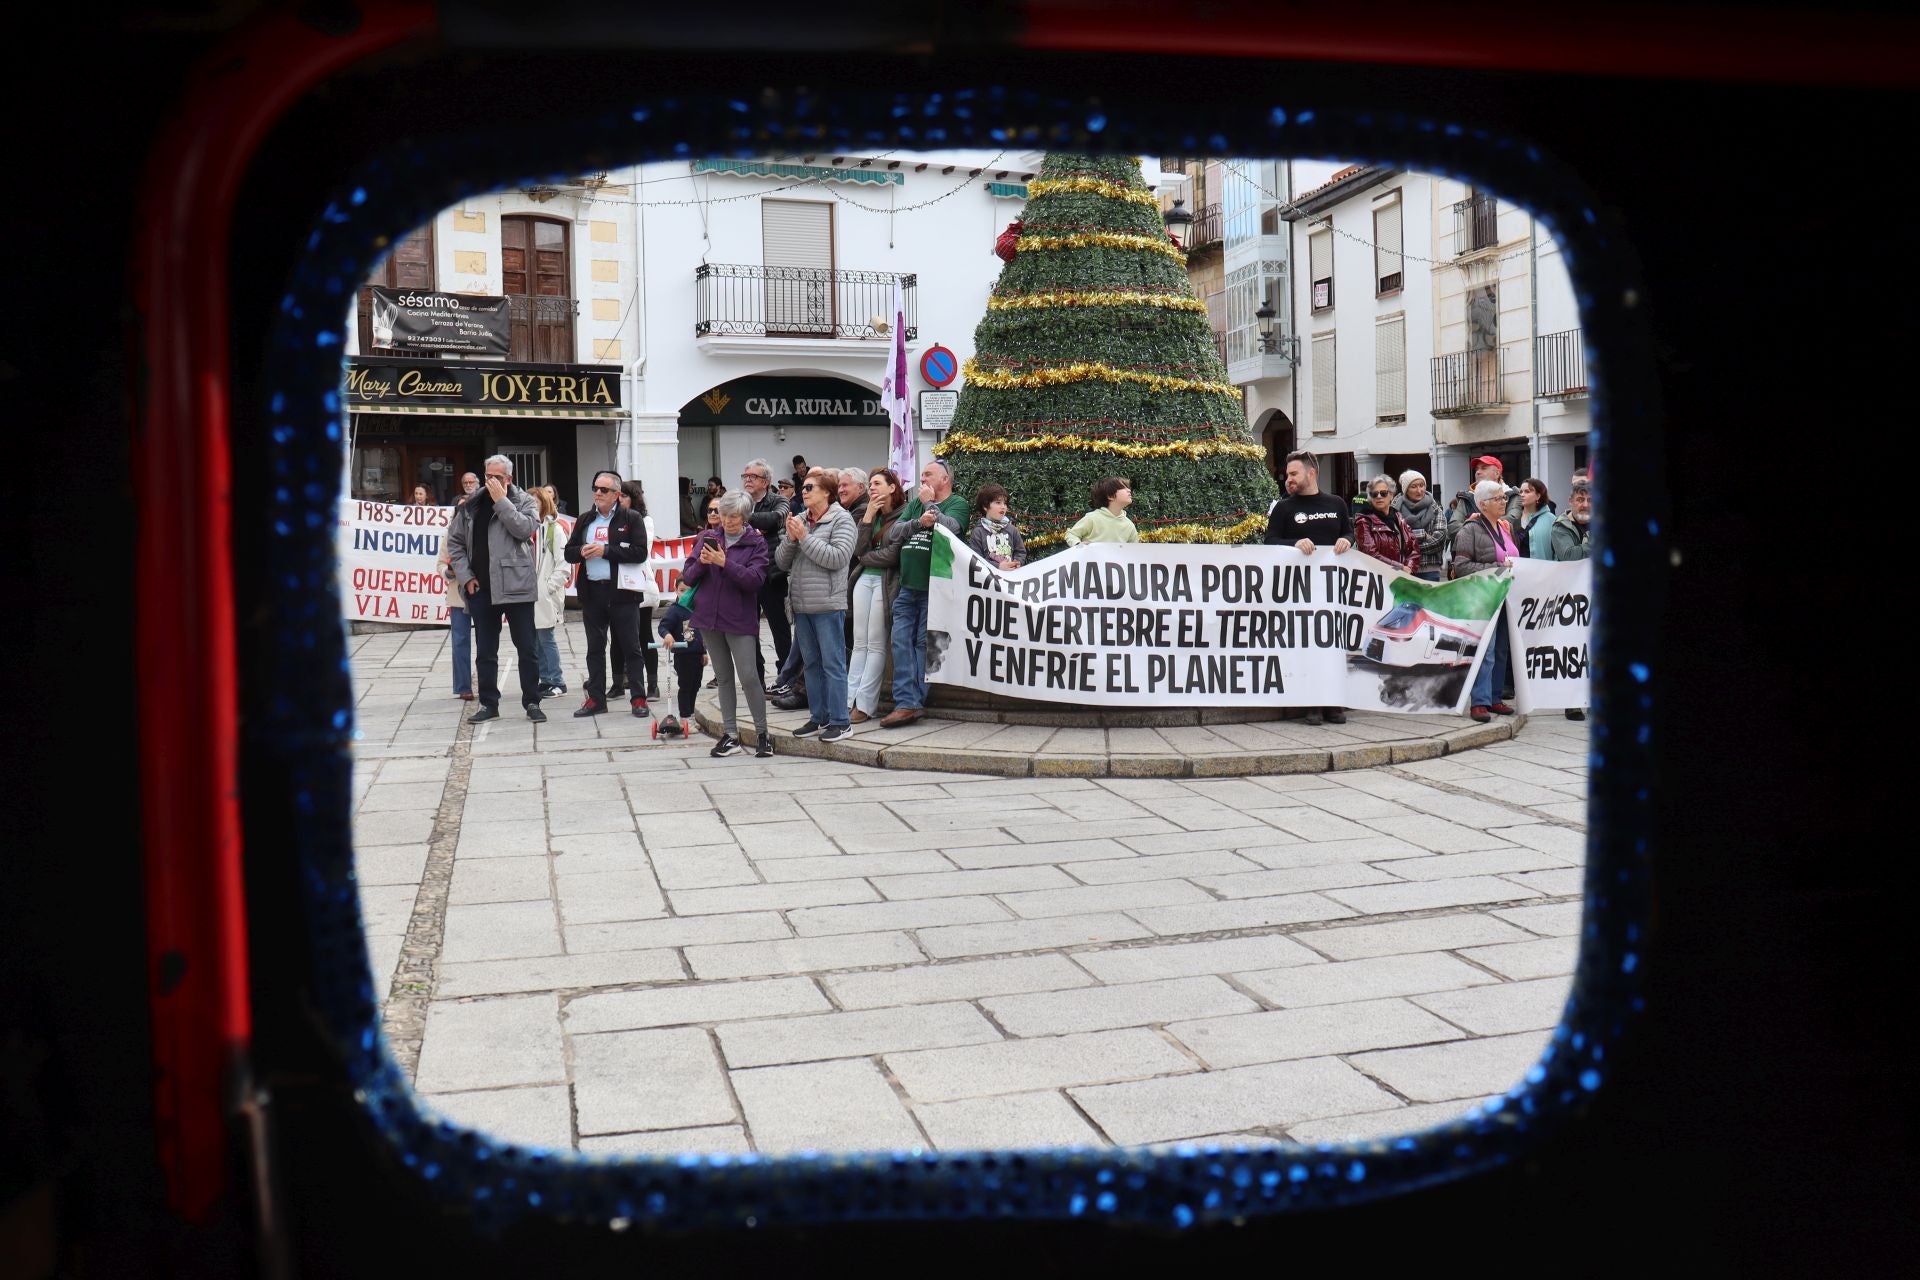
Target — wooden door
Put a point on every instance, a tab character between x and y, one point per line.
536	273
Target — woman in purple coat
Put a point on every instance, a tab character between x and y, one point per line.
726	569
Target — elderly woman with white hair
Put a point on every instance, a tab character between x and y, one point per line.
727	569
1485	544
1428	520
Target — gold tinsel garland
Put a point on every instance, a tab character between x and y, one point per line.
1194	449
1101	240
1095	298
1096	187
1089	371
1232	534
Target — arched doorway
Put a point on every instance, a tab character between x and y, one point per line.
1277	435
831	421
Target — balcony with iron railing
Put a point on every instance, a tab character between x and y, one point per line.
748	300
1476	224
1469	382
1559	365
1206	232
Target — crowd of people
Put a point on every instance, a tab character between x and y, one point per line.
1400	523
836	563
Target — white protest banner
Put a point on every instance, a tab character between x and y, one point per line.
1549	615
1189	625
389	570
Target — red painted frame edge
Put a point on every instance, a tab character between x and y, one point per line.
187	698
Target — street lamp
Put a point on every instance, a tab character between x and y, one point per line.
1266	316
1178	219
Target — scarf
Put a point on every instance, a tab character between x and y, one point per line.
1422	515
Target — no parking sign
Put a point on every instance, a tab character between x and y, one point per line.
938	365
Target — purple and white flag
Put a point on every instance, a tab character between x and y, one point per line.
903	453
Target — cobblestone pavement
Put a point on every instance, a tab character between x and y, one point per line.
592	939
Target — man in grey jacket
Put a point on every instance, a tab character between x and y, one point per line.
814	553
491	551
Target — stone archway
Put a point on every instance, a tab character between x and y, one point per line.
1278	436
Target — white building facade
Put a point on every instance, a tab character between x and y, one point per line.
679	319
1508	369
1365	323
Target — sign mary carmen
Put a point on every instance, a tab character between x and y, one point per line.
397	382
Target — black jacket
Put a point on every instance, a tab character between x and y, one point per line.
626	541
770	518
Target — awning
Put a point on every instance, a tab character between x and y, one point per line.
817	173
1007	190
575	414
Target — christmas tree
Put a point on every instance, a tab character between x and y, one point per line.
1095	359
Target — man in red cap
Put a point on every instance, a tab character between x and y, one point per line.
1485	467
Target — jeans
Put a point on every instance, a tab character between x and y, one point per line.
909	649
550	673
869	661
486	617
649	655
460	622
1494	674
822	640
1429	575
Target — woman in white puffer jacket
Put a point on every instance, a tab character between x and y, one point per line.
551	572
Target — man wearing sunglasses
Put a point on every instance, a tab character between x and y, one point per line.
612	535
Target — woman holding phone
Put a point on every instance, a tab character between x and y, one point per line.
728	565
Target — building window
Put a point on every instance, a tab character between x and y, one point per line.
536	274
1325	383
1387	261
1390	368
409	266
1320	256
796	244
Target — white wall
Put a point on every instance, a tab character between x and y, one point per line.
1354	316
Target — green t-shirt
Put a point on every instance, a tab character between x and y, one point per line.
916	554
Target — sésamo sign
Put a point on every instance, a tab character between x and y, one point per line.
412	320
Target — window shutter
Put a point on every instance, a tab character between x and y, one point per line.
1387	246
1320	256
797	233
1390	367
797	249
1325	382
411	266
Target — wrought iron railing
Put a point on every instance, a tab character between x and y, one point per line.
1559	365
799	302
1476	223
1468	381
1206	227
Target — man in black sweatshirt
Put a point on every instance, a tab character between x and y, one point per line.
1307	518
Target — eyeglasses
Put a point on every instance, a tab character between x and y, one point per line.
713	511
755	475
1382	493
809	488
601	488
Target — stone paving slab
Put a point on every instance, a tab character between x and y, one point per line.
1113	936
